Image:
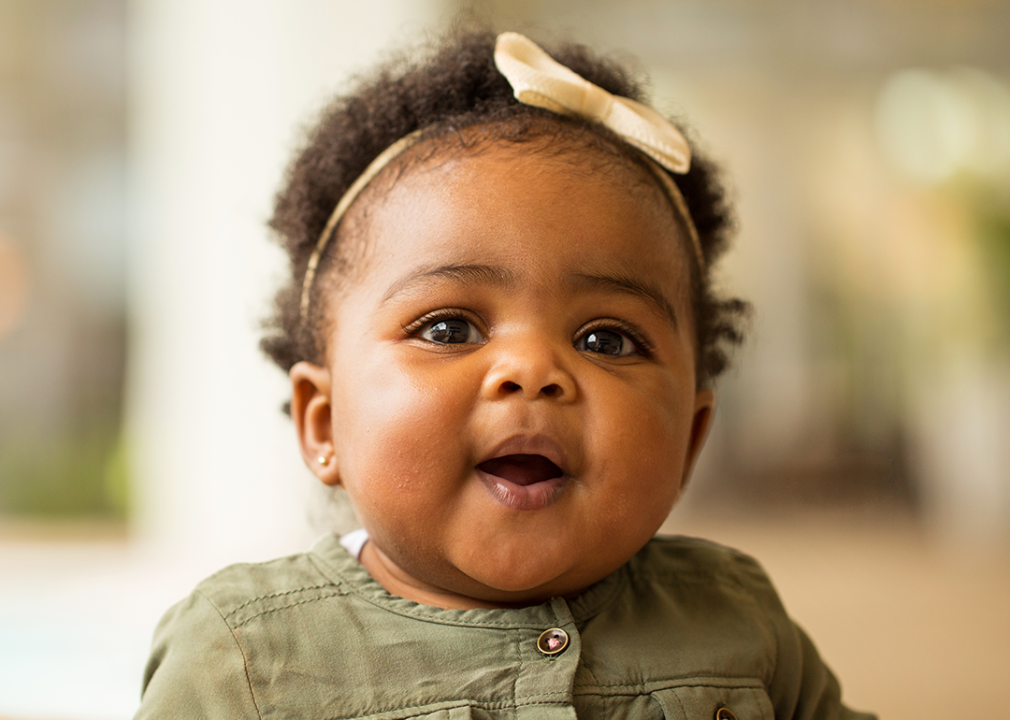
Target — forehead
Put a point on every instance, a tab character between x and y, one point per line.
540	211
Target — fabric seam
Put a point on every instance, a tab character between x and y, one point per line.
742	683
418	710
241	650
277	595
285	607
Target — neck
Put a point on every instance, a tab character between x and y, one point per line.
397	582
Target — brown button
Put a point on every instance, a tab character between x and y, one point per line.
553	641
724	714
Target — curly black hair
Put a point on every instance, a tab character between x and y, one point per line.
454	87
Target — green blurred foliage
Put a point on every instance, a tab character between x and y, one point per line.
76	477
63	205
994	241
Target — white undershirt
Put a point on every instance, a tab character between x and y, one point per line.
354	541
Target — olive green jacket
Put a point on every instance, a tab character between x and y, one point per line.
685	630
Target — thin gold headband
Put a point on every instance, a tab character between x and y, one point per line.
539	80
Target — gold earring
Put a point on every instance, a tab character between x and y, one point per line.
324	460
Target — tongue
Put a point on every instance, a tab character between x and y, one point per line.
521	469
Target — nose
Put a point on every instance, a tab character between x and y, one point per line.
530	370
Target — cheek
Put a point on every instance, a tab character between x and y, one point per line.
397	429
643	436
656	411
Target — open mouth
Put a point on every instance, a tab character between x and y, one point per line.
522	470
523	482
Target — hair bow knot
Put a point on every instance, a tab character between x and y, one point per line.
539	80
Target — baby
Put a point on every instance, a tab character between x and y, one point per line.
502	338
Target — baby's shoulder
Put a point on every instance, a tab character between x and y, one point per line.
244	591
242	617
680	562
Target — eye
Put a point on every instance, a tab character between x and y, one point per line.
450	331
605	342
612	342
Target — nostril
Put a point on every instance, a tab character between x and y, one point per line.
509	386
552	390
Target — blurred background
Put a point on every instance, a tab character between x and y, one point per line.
862	444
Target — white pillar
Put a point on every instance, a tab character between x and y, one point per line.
961	446
218	91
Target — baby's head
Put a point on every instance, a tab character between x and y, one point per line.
505	354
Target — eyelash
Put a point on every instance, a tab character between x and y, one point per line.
442	314
642	344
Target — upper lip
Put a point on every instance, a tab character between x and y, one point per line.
531	445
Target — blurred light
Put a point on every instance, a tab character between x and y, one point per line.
13	286
931	125
990	103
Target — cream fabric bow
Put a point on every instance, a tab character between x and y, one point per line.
541	81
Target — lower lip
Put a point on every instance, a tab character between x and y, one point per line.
535	496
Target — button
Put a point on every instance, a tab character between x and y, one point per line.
553	642
724	714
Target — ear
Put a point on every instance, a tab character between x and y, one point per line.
704	410
311	412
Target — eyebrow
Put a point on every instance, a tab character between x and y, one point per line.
501	277
629	286
463	274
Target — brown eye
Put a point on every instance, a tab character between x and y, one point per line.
452	331
606	342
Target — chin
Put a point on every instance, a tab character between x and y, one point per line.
522	573
518	597
533	584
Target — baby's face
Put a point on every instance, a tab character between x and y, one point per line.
509	394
